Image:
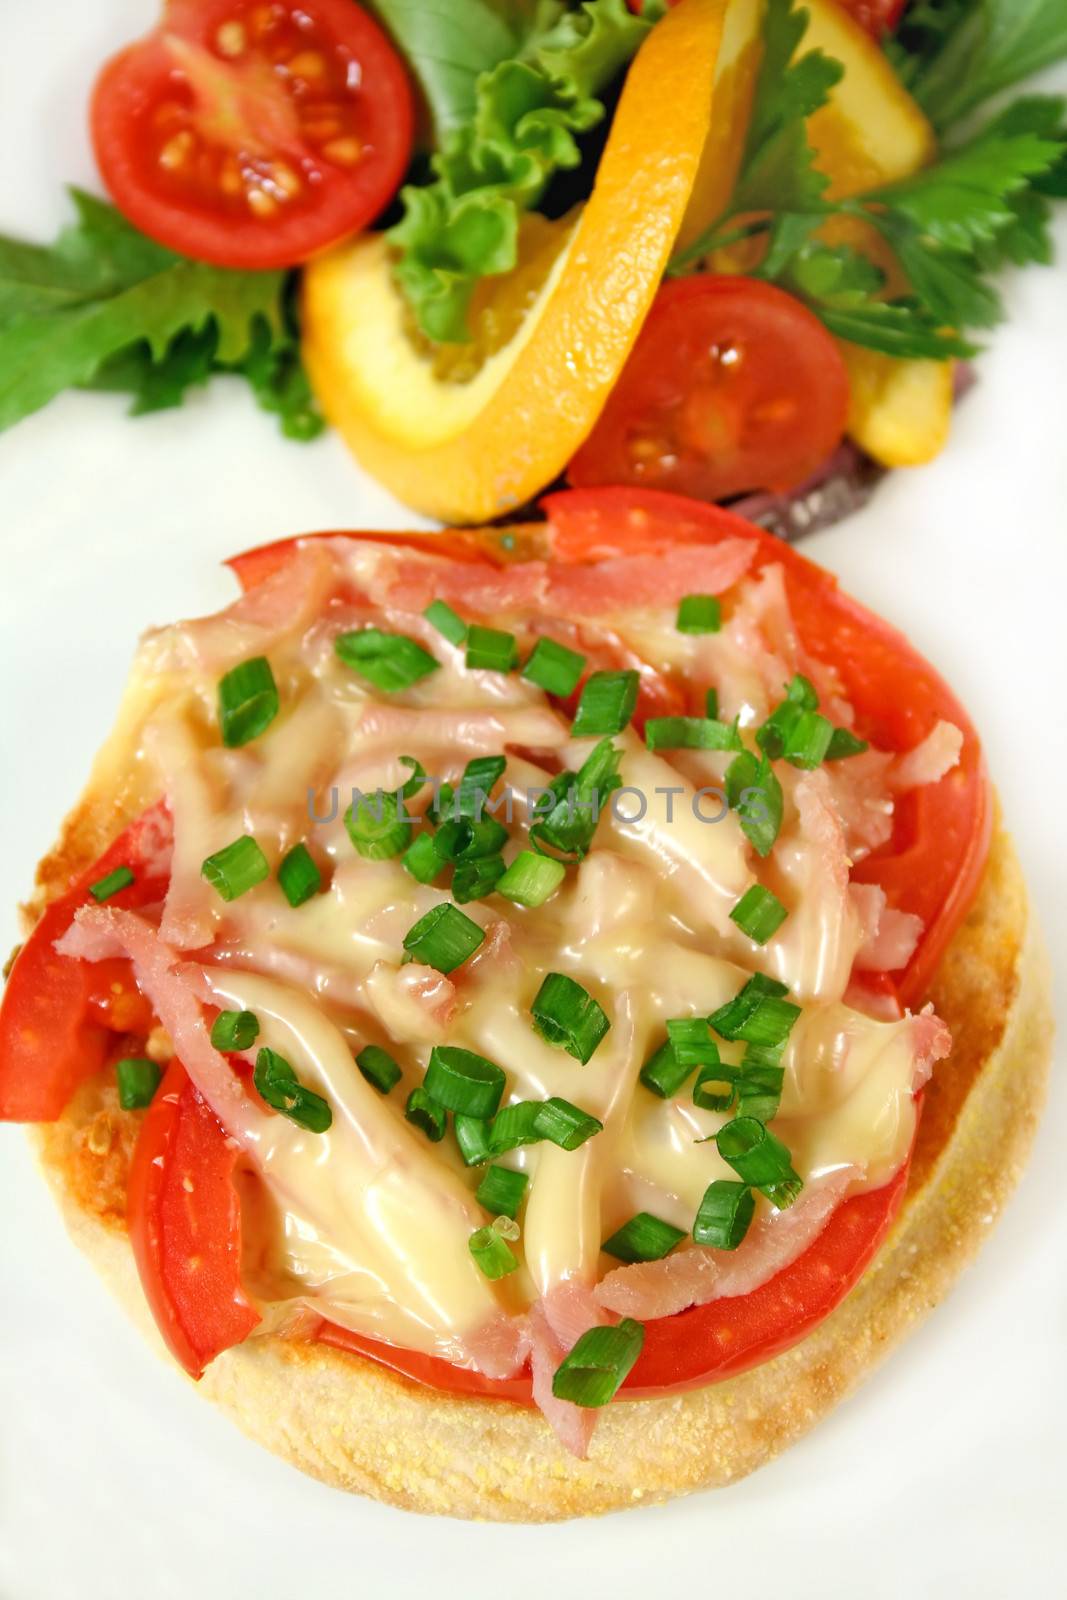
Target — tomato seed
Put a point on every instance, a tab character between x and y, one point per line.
231	39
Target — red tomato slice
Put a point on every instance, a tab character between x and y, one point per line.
254	134
184	1219
731	386
54	1017
879	17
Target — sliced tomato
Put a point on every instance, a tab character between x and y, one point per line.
879	17
732	385
55	1021
184	1218
254	134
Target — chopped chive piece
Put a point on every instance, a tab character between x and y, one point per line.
564	1124
237	868
279	1086
248	702
462	1080
110	884
514	1126
417	779
298	875
691	733
378	825
643	1238
531	879
759	914
444	619
699	613
491	650
759	1159
711	704
801	691
844	743
501	1191
608	701
595	1369
473	880
476	785
423	1111
759	1083
720	1099
554	668
390	661
137	1080
442	803
753	791
465	840
421	859
443	938
235	1030
772	734
663	1073
692	1042
472	1136
492	1254
566	1015
808	740
757	1014
575	801
379	1068
724	1215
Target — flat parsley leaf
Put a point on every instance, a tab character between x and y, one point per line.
955	54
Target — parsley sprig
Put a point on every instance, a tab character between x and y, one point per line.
950	226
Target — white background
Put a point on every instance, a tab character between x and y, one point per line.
946	1472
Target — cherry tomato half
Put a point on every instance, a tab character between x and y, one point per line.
254	133
732	385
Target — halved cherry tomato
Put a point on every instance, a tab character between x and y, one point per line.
254	133
732	385
185	1225
879	17
53	1029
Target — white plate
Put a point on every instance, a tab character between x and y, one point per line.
946	1471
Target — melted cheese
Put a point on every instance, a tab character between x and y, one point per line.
370	1221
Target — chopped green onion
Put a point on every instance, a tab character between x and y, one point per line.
444	619
462	1080
298	875
692	1042
808	740
720	1099
691	733
248	701
643	1238
441	803
801	691
566	1015
564	1124
501	1191
464	840
711	704
757	1014
514	1126
759	1159
137	1080
473	880
279	1086
753	791
554	668
491	1253
531	879
491	650
476	785
379	1068
759	1082
237	868
699	613
663	1073
235	1030
443	938
472	1136
390	661
380	828
417	779
724	1215
844	743
759	914
423	1111
577	800
595	1369
421	859
608	701
110	884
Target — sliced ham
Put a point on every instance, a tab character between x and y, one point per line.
889	937
413	1003
650	580
476	733
929	761
555	1324
931	1042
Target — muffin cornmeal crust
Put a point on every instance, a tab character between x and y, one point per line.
361	1427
